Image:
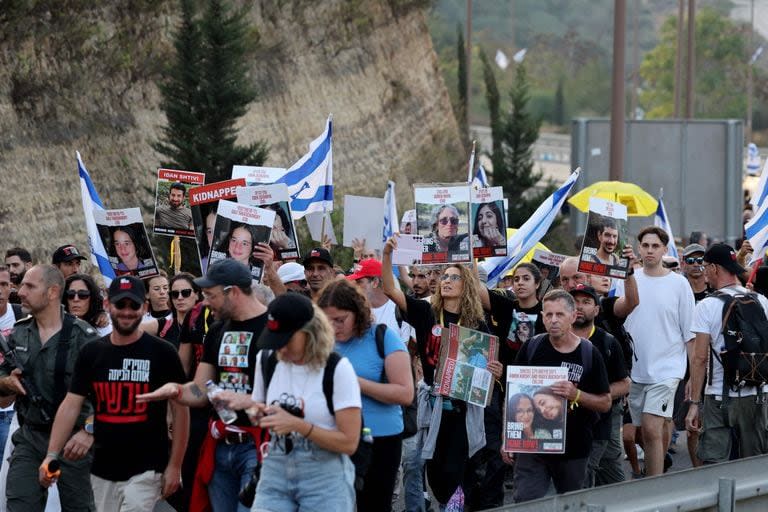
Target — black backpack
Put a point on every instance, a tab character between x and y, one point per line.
616	328
409	411
744	355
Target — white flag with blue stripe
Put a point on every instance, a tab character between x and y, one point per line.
480	180
310	180
390	212
662	221
761	192
534	229
92	202
756	231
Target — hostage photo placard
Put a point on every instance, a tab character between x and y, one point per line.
605	239
283	240
442	215
125	238
173	215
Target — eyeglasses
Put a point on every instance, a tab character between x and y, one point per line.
454	221
697	261
80	294
127	303
452	277
186	292
208	296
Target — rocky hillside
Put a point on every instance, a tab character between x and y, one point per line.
80	75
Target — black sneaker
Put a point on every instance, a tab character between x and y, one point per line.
667	461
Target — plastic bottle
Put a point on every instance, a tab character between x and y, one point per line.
367	437
226	414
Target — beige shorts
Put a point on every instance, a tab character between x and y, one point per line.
657	399
138	494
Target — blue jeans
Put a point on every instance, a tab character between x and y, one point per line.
307	478
413	472
234	466
5	424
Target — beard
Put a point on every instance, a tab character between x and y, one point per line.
582	322
125	331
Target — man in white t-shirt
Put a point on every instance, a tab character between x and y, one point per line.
7	315
660	327
744	411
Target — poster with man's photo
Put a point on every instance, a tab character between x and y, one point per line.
534	417
408	223
204	202
489	233
442	216
283	240
173	215
462	370
257	175
237	230
549	266
125	238
605	239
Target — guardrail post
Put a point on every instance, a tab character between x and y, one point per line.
726	496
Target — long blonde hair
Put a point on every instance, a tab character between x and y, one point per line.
470	308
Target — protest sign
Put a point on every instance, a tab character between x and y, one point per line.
489	234
283	240
549	266
442	214
204	201
408	223
534	418
237	230
319	224
363	219
409	250
125	238
173	216
257	175
462	370
605	239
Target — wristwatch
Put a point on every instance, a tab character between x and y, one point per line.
88	427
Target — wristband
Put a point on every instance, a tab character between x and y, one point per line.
53	455
179	391
575	401
631	271
311	428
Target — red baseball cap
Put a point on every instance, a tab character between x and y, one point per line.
366	268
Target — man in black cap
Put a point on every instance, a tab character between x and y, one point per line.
134	463
318	268
605	463
723	408
67	259
229	359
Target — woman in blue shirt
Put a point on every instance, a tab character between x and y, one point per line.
385	384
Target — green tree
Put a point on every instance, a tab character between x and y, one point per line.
720	65
513	157
463	106
493	99
207	91
558	109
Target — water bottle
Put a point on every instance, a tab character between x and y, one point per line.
226	414
367	437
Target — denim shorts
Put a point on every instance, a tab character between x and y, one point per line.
307	478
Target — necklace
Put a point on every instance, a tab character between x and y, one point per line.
303	391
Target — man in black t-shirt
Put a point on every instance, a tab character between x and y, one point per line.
586	389
229	357
605	463
132	468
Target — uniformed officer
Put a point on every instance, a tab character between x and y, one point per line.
46	345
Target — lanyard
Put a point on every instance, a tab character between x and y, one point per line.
442	320
591	332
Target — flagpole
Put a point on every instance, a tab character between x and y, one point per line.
471	162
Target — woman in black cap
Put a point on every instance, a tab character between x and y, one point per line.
308	465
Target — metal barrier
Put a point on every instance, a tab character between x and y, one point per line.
740	484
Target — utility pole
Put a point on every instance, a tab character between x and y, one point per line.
690	82
635	59
616	168
679	57
750	83
469	59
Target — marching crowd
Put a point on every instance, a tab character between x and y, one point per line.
315	389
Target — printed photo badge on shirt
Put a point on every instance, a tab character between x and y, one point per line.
125	238
534	418
173	215
233	359
442	214
522	329
605	239
283	239
462	370
237	230
488	221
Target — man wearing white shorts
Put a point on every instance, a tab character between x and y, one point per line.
660	327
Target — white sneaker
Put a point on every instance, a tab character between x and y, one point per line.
640	452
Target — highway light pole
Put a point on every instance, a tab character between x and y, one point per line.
618	102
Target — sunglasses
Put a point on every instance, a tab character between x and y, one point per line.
127	303
301	282
80	294
186	292
454	221
452	277
697	261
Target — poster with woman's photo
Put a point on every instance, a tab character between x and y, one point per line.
125	238
462	371
442	216
237	230
204	202
173	215
534	417
605	239
549	266
283	240
489	233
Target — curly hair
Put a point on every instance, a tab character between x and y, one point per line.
95	304
341	294
470	308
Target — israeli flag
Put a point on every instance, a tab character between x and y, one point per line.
480	180
661	220
310	180
529	233
756	231
92	202
390	212
753	159
761	192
